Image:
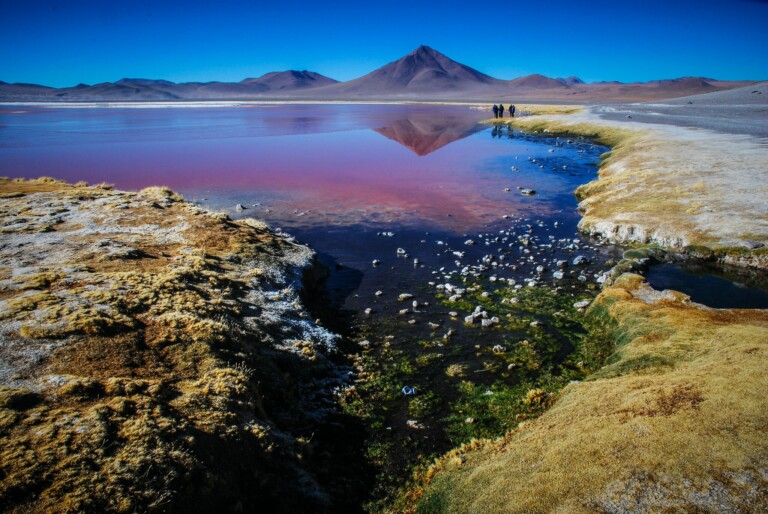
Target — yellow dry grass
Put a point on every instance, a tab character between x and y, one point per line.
676	423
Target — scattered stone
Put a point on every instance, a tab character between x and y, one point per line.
582	304
558	275
535	324
240	207
411	321
528	192
368	311
364	344
403	312
499	349
378	293
469	421
580	260
433	326
469	319
453	314
400	251
404	296
412	423
376	262
469	242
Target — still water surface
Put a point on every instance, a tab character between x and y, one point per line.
337	176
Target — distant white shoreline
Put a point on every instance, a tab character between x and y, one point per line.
226	103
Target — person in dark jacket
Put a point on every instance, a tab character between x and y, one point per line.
501	110
495	111
512	111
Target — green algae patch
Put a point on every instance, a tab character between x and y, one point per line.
678	410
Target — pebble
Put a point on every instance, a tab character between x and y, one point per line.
404	296
580	260
368	311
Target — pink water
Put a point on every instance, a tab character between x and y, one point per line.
302	164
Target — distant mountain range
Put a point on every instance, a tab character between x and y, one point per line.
424	74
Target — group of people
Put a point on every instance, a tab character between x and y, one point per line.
498	111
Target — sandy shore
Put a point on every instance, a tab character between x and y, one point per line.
738	111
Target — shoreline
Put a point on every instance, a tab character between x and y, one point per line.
648	193
647	431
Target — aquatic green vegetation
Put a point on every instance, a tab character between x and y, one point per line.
422	396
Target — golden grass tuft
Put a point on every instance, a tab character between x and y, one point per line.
679	412
162	192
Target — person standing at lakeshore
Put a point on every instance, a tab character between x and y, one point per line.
495	111
511	111
501	110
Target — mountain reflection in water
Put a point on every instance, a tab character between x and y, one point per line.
423	133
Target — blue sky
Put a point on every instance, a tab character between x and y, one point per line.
67	42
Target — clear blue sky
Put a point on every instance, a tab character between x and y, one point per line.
70	41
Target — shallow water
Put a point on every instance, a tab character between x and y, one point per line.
708	286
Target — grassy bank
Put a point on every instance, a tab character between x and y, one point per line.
156	356
674	422
668	186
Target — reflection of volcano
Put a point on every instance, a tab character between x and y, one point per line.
424	133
